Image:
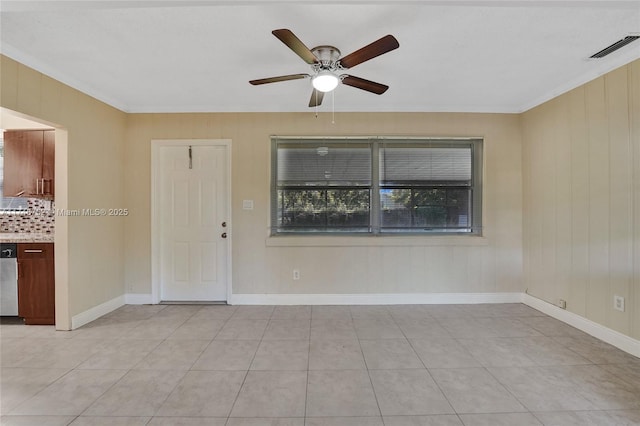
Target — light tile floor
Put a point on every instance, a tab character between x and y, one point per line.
413	365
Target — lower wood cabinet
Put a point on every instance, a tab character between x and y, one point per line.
36	283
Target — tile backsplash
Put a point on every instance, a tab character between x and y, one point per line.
39	217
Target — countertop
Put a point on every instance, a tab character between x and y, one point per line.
15	237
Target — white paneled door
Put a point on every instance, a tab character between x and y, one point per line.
192	198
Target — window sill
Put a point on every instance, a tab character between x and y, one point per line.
374	240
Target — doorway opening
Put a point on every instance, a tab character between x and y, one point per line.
12	120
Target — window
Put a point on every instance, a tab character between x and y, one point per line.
376	185
323	187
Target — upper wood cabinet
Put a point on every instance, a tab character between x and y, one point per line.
48	162
29	163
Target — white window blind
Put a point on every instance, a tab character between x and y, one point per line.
425	165
318	164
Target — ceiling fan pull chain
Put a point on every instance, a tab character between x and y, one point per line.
333	107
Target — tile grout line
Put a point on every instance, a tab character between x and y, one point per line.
156	347
486	369
306	388
245	375
187	370
235	400
425	367
373	389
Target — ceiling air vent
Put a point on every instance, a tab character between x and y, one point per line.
615	46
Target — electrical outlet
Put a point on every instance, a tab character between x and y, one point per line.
618	303
562	304
296	274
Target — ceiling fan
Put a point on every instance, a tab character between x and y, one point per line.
326	65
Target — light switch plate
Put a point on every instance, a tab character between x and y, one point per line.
247	204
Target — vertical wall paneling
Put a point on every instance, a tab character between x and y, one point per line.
579	202
634	132
599	220
563	210
8	85
620	196
29	90
581	160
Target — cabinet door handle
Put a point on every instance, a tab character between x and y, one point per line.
33	251
37	186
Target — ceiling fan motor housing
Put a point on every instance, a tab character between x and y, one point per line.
328	57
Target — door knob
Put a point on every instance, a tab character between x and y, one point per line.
224	235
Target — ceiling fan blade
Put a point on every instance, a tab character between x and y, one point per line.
361	83
279	78
370	51
316	98
294	43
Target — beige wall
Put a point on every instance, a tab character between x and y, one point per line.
561	200
581	173
89	250
264	265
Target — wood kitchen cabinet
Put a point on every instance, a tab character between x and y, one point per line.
48	163
36	283
29	163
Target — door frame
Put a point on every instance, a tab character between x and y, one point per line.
156	145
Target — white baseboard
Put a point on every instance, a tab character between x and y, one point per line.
96	312
374	299
615	338
137	299
599	331
353	299
106	307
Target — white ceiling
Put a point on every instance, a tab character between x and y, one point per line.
197	56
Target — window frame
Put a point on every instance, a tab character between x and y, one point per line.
375	208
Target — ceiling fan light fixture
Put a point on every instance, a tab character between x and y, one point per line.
325	81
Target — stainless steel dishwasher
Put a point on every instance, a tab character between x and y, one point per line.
8	280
